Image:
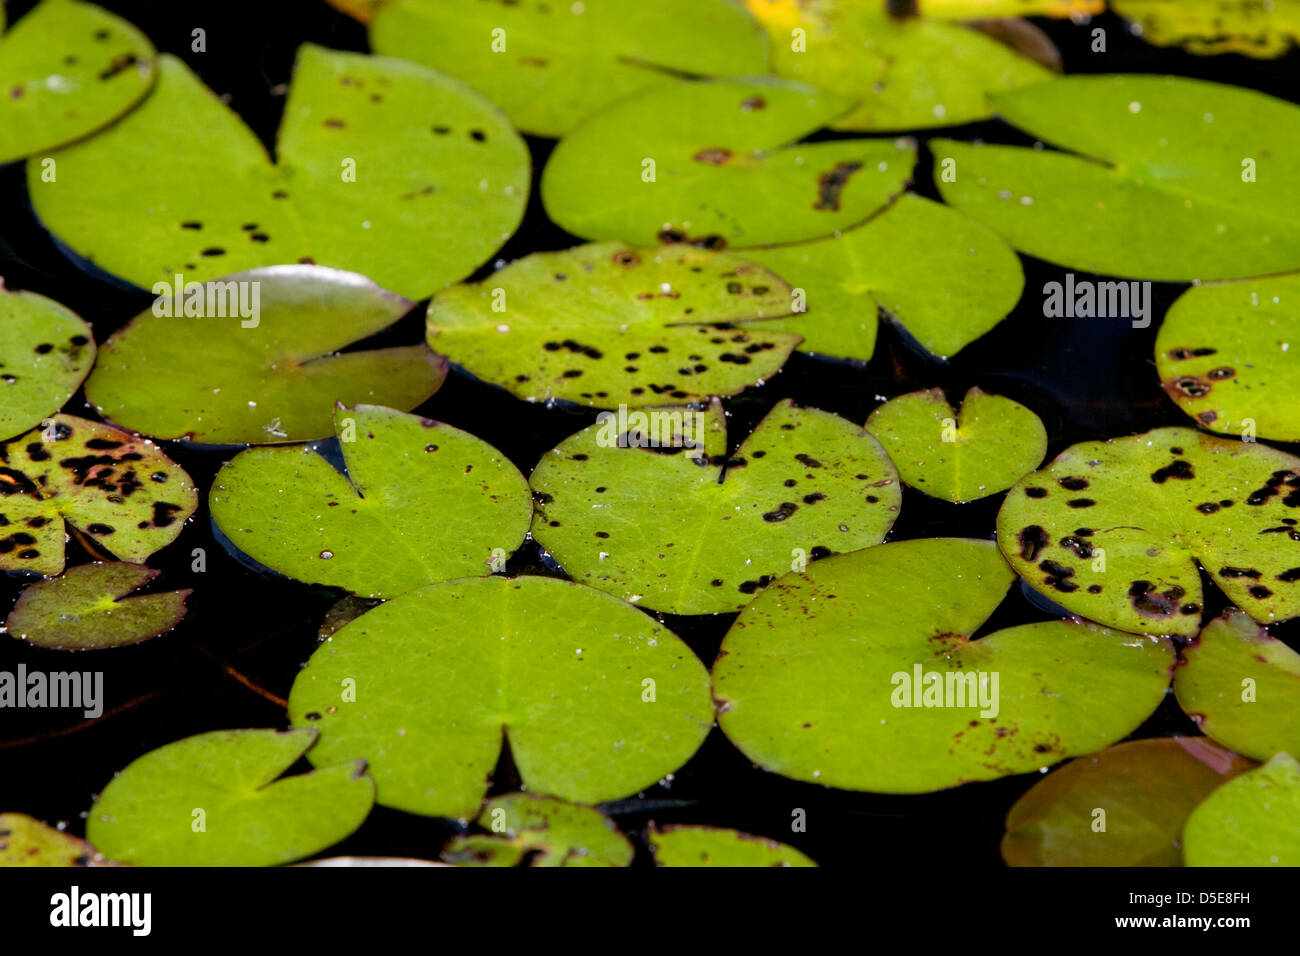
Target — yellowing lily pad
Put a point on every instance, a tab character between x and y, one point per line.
532	830
26	841
714	846
1252	821
45	352
1262	30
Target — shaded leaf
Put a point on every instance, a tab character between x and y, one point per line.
541	831
714	846
47	351
971	9
1263	30
26	841
1252	821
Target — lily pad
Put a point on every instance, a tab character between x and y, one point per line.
904	73
984	449
214	800
26	841
382	167
421	502
608	324
1224	356
47	351
717	162
1113	530
695	531
67	69
1166	177
549	66
1242	687
861	674
1261	30
540	831
119	490
87	608
1252	821
714	846
274	377
945	278
594	699
1123	806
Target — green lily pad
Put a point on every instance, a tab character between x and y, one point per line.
1242	687
1252	821
543	831
1224	356
1262	30
67	69
1154	185
382	167
716	162
26	841
945	278
902	73
714	846
274	377
861	674
594	699
984	449
47	351
1123	806
1113	530
608	324
87	608
549	66
119	490
214	800
693	531
421	502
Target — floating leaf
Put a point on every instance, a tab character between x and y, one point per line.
542	831
214	800
712	162
1144	790
67	69
982	450
382	167
274	377
1263	30
549	66
120	490
595	700
713	846
1223	354
26	841
693	531
47	351
942	276
1113	530
1252	821
607	324
1168	178
87	608
860	674
1242	687
363	11
973	9
421	502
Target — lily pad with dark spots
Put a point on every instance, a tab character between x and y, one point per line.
654	510
26	841
1206	27
526	829
87	608
718	162
861	674
421	502
1252	821
119	490
715	846
1113	531
45	352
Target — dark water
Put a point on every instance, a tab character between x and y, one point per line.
247	634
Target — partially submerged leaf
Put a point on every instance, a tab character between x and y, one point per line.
1123	806
214	375
47	350
549	66
214	800
691	530
714	846
382	167
87	608
1242	687
1259	29
985	448
541	831
26	841
1113	530
607	324
1252	821
716	162
119	490
595	699
861	674
421	502
1166	177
